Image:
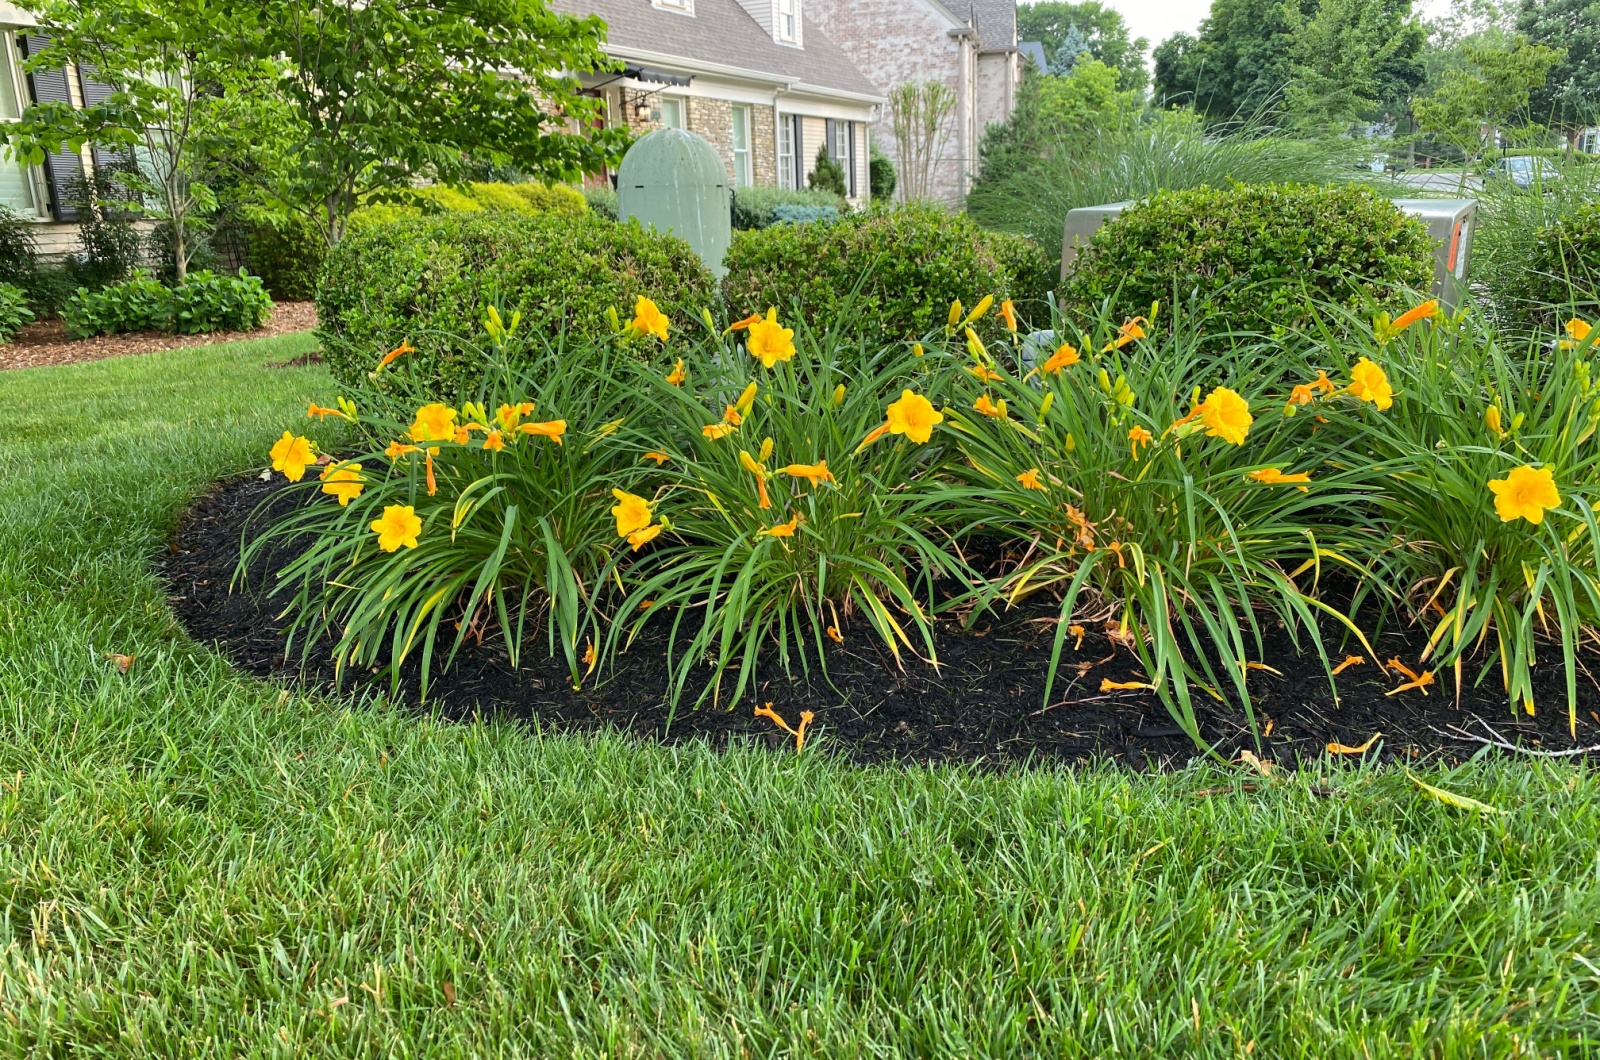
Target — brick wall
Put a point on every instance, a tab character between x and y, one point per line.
895	42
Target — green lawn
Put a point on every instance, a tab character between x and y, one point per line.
193	863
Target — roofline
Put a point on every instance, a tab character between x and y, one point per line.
790	84
837	93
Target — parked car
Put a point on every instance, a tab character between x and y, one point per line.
1522	171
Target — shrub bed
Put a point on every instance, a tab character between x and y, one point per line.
1564	273
14	311
204	302
763	207
431	277
287	253
1251	257
896	270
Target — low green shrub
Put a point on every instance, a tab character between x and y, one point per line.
432	276
524	198
1251	257
14	311
881	176
602	200
208	301
139	303
204	302
896	270
287	253
762	207
18	254
1563	272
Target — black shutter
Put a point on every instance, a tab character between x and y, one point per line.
62	169
94	92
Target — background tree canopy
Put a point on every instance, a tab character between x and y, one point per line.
1102	30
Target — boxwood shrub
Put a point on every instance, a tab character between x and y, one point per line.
898	270
1248	257
1564	272
428	280
287	252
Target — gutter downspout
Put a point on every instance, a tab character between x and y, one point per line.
777	135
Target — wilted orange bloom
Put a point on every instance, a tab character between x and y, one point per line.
992	409
816	474
740	325
1300	395
1138	436
716	431
1323	383
1008	313
1030	479
835	635
1108	685
389	358
678	374
642	537
1349	661
398	449
1078	632
551	429
1127	333
658	457
1066	356
1273	476
463	436
316	410
756	469
988	375
427	460
732	416
782	529
494	441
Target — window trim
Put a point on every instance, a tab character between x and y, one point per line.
792	16
743	169
676	7
838	127
32	176
682	103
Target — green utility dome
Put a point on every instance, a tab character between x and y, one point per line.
674	182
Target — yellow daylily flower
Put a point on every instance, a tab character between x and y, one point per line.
782	529
816	474
1577	330
988	407
1369	383
632	512
1138	436
1066	356
551	429
1525	493
397	527
678	375
648	319
343	481
770	342
1030	479
290	455
1128	332
434	423
1226	415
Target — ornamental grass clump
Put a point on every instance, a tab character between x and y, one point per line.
1155	487
793	479
1480	464
461	520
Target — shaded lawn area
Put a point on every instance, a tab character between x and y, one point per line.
193	863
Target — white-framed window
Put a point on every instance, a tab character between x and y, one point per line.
673	113
787	150
789	20
17	187
842	149
682	7
742	177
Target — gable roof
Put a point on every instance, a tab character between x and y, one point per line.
721	33
996	21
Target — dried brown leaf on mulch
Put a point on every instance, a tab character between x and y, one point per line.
46	342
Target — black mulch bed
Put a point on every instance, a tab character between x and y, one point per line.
985	705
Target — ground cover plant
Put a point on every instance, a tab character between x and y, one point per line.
367	878
203	301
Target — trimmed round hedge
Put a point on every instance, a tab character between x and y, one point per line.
910	263
428	280
1564	271
1248	257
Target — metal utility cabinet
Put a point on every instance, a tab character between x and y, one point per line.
1450	225
673	181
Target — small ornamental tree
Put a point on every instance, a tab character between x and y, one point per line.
379	91
828	174
164	79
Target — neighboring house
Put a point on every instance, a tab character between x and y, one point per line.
40	193
968	45
756	78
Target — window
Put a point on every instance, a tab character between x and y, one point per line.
788	20
672	113
741	147
16	179
791	152
842	149
682	7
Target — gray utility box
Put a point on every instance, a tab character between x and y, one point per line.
1450	225
673	181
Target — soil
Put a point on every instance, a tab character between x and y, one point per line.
985	704
46	343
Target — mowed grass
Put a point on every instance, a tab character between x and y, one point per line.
193	863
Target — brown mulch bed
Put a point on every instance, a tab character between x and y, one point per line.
46	342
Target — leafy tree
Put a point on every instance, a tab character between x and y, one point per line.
1353	59
376	92
1102	29
1320	63
1489	92
1570	98
1052	116
160	61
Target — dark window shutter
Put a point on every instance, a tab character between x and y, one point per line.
94	92
62	169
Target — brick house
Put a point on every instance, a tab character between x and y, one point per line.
756	78
969	45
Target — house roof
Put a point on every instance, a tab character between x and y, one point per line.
721	33
996	21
